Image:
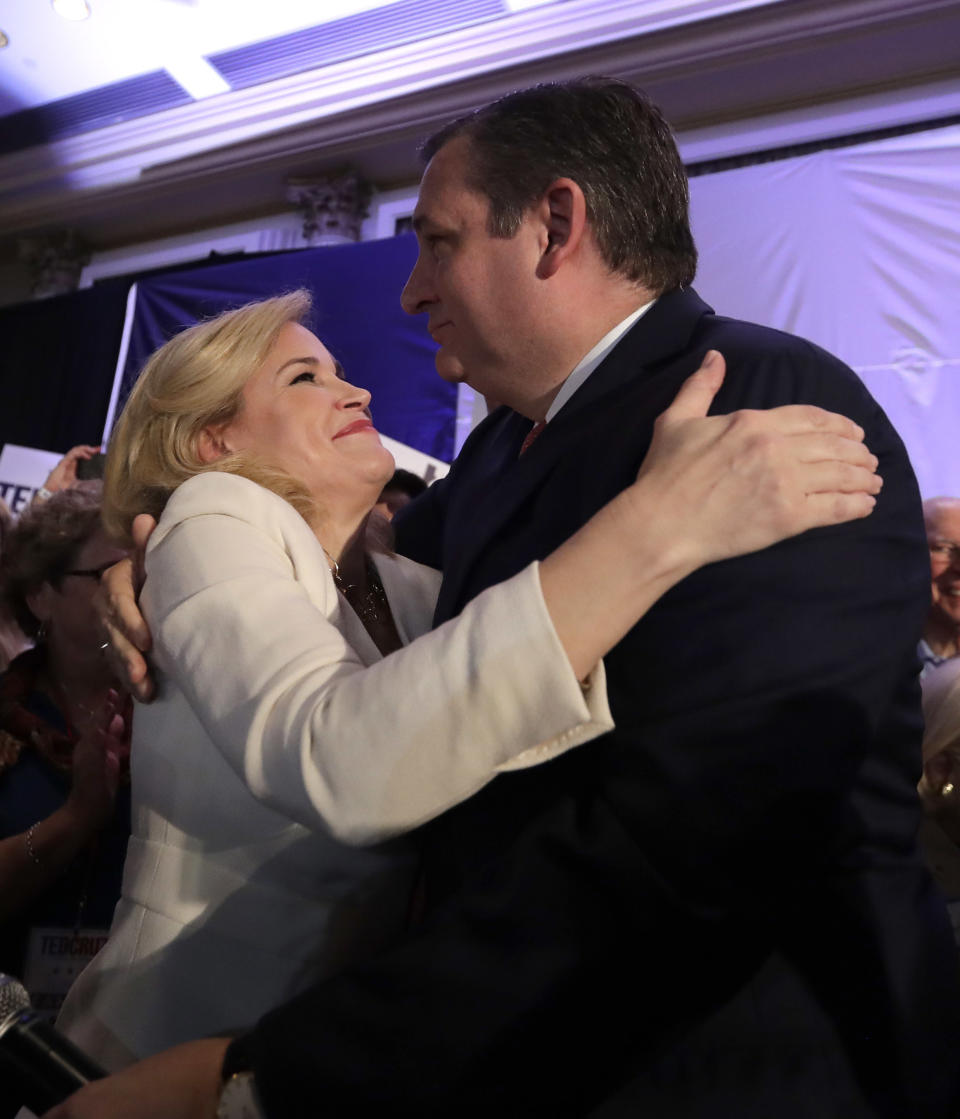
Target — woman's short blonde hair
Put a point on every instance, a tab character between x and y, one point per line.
194	380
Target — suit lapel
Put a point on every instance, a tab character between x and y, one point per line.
494	483
660	335
487	473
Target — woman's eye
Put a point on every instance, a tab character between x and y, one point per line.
303	377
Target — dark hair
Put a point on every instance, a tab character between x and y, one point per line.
43	544
614	143
405	481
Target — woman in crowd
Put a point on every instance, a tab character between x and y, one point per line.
289	719
61	477
12	638
63	825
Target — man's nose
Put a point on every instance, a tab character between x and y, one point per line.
415	297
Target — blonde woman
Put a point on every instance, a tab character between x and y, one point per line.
290	722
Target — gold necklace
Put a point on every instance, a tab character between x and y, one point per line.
370	605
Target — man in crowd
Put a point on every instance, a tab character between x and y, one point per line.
716	910
941	633
402	488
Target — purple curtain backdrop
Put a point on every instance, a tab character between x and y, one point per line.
357	314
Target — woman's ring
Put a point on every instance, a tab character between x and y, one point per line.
947	789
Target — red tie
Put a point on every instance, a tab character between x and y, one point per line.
532	435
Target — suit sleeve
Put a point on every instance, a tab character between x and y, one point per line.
767	755
363	751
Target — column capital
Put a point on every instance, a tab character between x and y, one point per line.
333	207
55	261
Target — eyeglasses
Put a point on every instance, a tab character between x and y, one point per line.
91	572
945	549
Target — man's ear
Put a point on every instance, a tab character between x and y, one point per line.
563	211
212	443
38	602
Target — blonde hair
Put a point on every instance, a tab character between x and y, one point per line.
194	380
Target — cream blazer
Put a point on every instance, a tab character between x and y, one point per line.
279	741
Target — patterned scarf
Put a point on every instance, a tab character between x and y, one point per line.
20	727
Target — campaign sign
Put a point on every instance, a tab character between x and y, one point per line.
408	458
23	470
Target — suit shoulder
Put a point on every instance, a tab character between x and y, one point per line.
500	423
768	367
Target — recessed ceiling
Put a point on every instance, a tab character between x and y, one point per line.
49	58
157	116
60	78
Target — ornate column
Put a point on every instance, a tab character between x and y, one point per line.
55	261
333	208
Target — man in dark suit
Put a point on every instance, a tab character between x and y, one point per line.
717	909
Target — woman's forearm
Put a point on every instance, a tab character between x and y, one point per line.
599	583
31	861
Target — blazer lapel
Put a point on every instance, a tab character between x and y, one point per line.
411	590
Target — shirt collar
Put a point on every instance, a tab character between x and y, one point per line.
589	363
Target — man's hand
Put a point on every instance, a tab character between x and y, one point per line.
182	1083
728	485
64	474
124	626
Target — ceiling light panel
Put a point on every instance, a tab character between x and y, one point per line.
388	26
72	10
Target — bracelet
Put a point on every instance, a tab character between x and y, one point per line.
43	494
34	857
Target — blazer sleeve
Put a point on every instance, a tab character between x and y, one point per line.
244	615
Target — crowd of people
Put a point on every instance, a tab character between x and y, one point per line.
595	796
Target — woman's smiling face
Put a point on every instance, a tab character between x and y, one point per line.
301	416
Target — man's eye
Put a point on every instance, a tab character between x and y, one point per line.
311	377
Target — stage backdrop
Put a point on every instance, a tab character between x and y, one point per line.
857	249
356	293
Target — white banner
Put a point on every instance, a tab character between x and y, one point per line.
856	249
23	470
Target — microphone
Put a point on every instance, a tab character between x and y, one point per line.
39	1067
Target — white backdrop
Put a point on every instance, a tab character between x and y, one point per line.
857	249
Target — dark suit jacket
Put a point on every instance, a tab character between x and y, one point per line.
756	803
